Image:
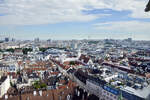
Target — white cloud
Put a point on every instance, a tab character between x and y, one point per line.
28	12
41	12
124	26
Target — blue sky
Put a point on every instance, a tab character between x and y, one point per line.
74	19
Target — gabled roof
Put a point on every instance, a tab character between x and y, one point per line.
2	79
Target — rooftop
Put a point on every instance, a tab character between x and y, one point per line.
2	79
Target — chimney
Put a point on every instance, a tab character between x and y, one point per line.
6	97
40	93
34	93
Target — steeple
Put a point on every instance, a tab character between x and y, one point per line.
79	53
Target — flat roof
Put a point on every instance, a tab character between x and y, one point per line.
143	93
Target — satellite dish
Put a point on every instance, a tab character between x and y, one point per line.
147	7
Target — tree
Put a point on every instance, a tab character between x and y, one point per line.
10	50
43	49
38	85
26	50
43	85
72	63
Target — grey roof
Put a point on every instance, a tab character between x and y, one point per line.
3	78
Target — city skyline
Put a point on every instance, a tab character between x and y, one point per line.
75	19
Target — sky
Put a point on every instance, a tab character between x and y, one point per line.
74	19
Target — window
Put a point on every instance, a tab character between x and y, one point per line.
107	93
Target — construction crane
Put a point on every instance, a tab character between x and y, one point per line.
147	7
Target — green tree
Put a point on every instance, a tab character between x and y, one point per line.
10	50
72	63
43	85
26	50
38	85
43	49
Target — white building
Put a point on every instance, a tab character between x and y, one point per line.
4	85
103	93
93	88
63	58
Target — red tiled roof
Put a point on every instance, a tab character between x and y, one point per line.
54	73
36	69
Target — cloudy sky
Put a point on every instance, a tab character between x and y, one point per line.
74	19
